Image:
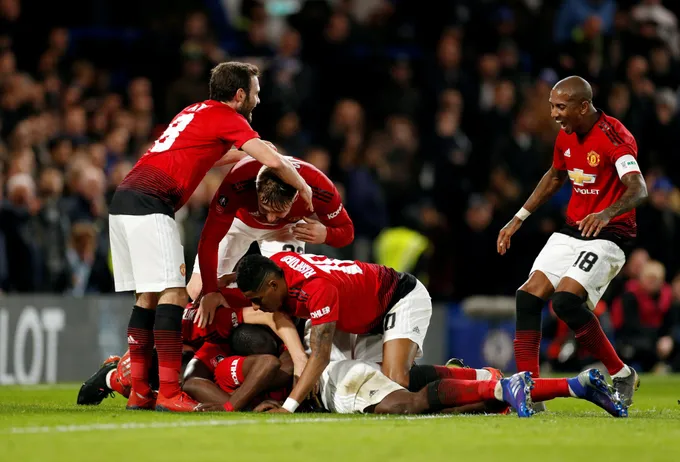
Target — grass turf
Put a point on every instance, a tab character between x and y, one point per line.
43	424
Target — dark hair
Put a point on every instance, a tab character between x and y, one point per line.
272	190
227	78
253	270
248	339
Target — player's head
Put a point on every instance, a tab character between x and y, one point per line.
275	197
262	282
237	83
249	339
571	101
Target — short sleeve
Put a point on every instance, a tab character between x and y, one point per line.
323	302
235	129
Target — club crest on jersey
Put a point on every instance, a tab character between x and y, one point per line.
580	178
593	159
221	203
183	269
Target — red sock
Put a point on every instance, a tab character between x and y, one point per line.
461	373
547	389
168	335
527	348
140	341
592	338
452	392
116	385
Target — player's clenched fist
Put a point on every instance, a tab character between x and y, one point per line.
503	242
207	308
593	224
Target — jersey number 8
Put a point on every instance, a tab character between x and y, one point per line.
171	133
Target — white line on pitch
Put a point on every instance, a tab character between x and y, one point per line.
199	423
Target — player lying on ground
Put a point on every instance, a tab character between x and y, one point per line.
146	248
254	205
358	298
114	375
599	155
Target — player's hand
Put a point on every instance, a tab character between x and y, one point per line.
207	308
311	231
267	405
503	241
593	223
306	195
226	280
210	407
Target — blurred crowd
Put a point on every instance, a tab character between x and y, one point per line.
431	117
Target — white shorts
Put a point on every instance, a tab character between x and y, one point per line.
146	253
350	386
593	264
409	318
239	238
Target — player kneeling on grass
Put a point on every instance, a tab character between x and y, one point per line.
358	298
351	386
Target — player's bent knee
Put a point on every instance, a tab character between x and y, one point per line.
538	285
570	309
194	287
268	362
174	296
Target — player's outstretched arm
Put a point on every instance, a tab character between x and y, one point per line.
551	182
282	326
635	195
284	168
321	342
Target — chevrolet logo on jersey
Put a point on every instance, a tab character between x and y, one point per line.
579	178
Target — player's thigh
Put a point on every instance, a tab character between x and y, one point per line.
409	319
123	275
233	247
351	386
596	263
554	260
156	252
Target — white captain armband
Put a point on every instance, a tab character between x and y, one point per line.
627	164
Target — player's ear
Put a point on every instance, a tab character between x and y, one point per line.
241	95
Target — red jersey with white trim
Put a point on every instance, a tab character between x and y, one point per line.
227	318
354	294
237	197
591	162
177	162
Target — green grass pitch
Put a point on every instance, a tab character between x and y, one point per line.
43	424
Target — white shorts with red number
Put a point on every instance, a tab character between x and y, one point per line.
237	241
593	264
409	318
350	386
146	253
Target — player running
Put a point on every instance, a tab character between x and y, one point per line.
356	297
146	249
598	154
253	205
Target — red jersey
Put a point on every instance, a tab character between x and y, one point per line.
354	294
237	197
173	167
596	163
227	318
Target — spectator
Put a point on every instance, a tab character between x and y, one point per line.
88	269
643	318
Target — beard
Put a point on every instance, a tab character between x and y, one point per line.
247	112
